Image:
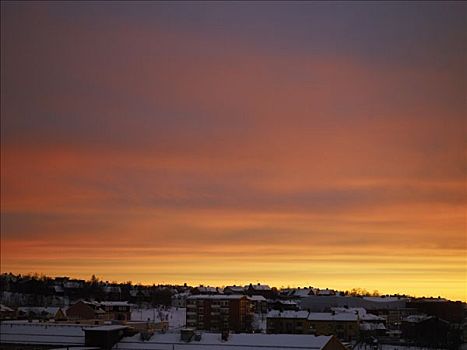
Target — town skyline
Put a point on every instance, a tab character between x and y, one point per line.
351	291
226	142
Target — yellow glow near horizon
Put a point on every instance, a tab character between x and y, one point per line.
158	146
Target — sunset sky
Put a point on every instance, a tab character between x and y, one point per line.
292	144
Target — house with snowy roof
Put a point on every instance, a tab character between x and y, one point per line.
206	290
117	310
344	325
325	292
370	325
302	292
288	322
41	313
234	290
85	310
281	304
261	289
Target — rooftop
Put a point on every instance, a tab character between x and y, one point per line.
106	328
287	314
216	296
41	333
329	316
235	342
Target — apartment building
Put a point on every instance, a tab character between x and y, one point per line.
219	312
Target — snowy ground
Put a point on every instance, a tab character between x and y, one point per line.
175	316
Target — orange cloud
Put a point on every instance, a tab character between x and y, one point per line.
189	158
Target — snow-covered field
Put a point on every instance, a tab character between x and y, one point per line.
175	316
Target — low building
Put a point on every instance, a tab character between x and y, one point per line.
85	310
288	322
41	313
116	310
261	289
234	290
325	292
205	290
283	305
371	325
426	331
216	341
219	312
343	325
301	292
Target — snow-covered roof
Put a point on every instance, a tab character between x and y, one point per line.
58	289
362	313
286	302
358	310
4	308
417	318
72	284
111	289
325	292
384	299
371	318
207	289
313	316
366	326
257	298
115	303
51	310
41	333
235	288
216	296
182	295
303	292
106	328
243	341
259	286
287	314
329	316
93	303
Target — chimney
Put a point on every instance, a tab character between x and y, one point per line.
187	334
